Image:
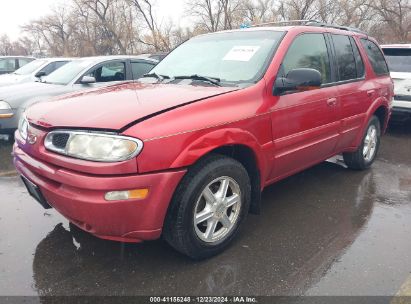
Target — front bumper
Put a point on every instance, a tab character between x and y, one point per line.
80	198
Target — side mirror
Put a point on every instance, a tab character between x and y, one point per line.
40	74
298	80
87	80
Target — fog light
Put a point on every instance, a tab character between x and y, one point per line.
126	195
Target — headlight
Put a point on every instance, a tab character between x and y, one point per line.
94	146
23	127
4	105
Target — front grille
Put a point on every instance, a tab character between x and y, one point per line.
402	97
60	140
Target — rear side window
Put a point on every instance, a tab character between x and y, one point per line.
141	68
375	56
347	69
309	51
358	59
8	64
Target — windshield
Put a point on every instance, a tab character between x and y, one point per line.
236	57
30	67
399	60
68	72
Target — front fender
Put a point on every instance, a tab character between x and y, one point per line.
184	149
217	139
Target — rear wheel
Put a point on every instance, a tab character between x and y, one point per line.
208	207
367	151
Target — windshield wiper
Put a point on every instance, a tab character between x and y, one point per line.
213	80
157	76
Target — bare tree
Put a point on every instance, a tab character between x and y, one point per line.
396	14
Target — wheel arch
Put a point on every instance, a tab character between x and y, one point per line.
380	109
237	144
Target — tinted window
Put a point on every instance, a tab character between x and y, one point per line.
51	67
141	68
399	60
375	56
7	65
111	71
59	64
345	57
48	68
358	59
309	51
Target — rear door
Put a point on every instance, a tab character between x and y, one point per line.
355	93
305	124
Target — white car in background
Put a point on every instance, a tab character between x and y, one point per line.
399	62
33	71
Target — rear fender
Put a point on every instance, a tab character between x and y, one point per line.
381	101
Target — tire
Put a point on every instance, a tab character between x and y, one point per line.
364	157
208	236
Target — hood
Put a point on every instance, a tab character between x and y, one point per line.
114	107
17	94
9	79
402	83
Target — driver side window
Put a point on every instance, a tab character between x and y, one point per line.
111	71
308	51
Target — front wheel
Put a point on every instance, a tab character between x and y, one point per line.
367	151
208	207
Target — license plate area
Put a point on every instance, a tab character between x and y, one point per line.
35	192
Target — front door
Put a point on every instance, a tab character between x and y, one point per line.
305	124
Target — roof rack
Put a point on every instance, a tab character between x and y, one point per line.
311	23
300	22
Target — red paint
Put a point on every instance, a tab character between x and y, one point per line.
286	134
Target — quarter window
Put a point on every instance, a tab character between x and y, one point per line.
309	51
345	57
375	56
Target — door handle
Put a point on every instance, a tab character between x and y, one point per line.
332	102
370	93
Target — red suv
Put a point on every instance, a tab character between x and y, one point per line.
185	152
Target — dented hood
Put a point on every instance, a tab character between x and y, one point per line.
115	107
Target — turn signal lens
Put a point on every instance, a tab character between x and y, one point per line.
126	195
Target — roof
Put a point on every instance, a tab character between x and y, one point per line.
311	28
115	57
28	57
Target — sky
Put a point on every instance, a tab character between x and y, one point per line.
14	13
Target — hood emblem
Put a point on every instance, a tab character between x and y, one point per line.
31	138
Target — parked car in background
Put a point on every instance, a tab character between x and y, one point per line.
9	64
79	74
33	71
186	151
399	61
